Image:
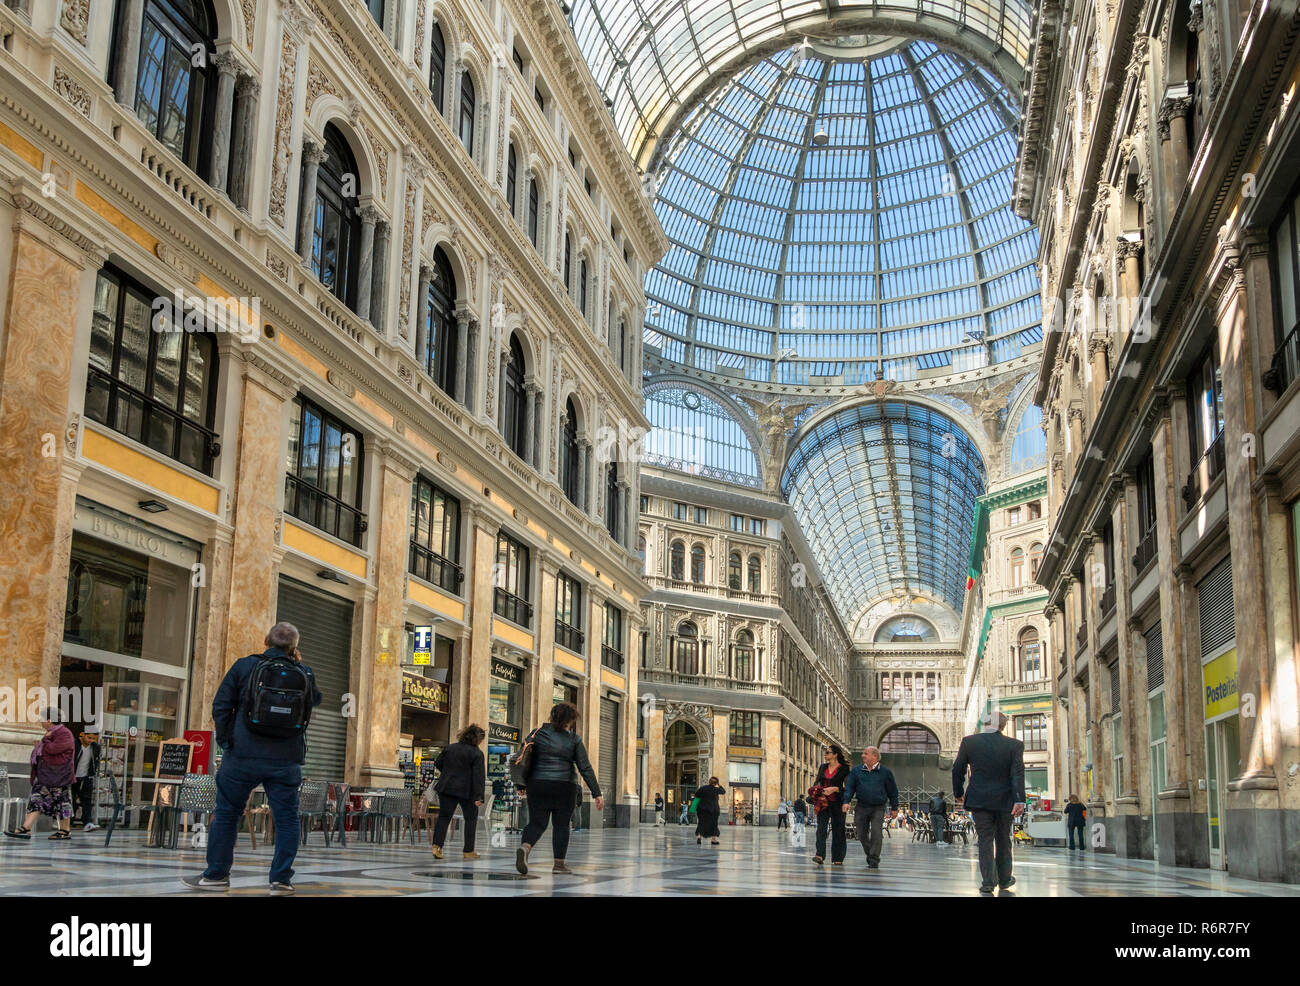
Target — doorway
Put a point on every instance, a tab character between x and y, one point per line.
1222	763
685	760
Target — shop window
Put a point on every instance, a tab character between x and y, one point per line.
438	68
733	571
435	536
611	653
174	96
677	562
743	729
687	649
569	459
514	400
697	564
442	329
568	613
152	382
336	227
323	485
511	595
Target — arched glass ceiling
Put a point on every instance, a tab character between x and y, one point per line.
693	433
884	494
906	629
651	57
1029	448
836	221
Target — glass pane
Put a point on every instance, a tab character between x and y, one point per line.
174	111
133	363
311	454
193	447
103	323
197	369
97	401
161	432
1212	781
330	471
129	416
149	87
167	367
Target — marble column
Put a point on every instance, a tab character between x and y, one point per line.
227	68
422	341
366	270
1130	285
530	417
1097	353
483	542
51	284
503	357
462	356
1171	126
624	521
584	474
539	431
381	677
379	282
129	29
544	667
247	90
655	750
312	155
473	391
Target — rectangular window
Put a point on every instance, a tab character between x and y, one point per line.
1205	404
323	482
743	729
1013	516
435	536
1117	754
1286	266
701	515
757	526
611	652
518	60
148	379
510	597
539	99
1146	513
737	523
645	504
679	511
568	613
1032	731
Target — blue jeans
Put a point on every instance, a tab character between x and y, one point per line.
235	782
937	821
1079	829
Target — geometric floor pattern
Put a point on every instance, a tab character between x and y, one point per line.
645	862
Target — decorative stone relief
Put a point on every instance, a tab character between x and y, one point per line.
249	10
283	129
72	90
414	177
74	18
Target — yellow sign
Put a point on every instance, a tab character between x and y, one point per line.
1219	679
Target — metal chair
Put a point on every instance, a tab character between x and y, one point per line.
336	804
11	808
197	796
369	817
397	809
120	807
311	806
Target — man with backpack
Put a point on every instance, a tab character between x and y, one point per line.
260	717
938	817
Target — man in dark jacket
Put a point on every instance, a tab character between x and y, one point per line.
251	759
994	796
874	785
462	778
938	817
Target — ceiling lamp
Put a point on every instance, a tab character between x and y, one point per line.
821	138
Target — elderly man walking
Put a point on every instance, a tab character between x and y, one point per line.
260	717
874	786
994	796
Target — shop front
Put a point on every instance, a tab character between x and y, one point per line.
505	723
127	639
426	703
1220	703
743	785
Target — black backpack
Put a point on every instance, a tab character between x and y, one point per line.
937	805
277	700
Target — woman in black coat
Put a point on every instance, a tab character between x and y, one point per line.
707	811
462	778
827	794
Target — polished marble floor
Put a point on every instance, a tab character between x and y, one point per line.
619	862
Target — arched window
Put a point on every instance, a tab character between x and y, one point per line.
514	400
336	232
1031	656
1035	556
438	68
468	105
569	478
687	657
677	562
442	329
533	207
582	286
622	345
512	179
742	657
733	570
697	564
755	574
909	738
568	262
1017	567
376	8
613	522
173	94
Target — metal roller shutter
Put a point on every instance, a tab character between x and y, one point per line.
1155	658
608	768
325	625
1114	689
1218	621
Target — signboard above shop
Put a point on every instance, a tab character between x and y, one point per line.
507	672
425	694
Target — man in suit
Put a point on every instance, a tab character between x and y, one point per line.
994	796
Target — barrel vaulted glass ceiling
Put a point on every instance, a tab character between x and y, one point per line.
651	57
838	220
884	494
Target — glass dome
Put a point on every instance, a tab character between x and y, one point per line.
838	216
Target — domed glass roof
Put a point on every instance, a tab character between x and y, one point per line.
839	214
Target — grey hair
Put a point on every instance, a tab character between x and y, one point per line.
283	635
873	749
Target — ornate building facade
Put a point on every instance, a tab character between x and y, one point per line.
325	311
1158	160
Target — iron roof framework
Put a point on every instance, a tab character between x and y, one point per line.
884	494
886	249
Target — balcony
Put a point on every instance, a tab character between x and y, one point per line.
611	658
1286	363
1108	600
1146	553
510	607
569	636
1209	468
1081	637
432	567
312	505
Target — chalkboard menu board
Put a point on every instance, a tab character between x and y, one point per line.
174	759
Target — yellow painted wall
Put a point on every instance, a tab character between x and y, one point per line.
147	471
502	629
435	600
327	551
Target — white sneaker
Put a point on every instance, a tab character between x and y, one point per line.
90	827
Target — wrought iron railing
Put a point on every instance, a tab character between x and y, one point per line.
509	606
1108	600
1146	553
321	510
1207	469
433	567
569	636
164	429
611	658
1286	363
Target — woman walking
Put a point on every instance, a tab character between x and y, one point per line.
462	777
707	812
827	795
52	775
558	755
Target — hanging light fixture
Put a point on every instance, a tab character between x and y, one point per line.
821	138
